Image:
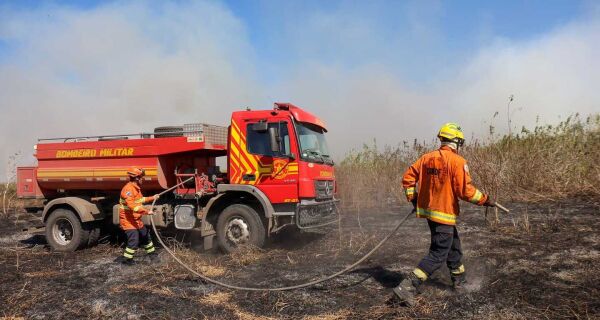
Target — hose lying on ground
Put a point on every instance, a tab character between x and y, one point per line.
298	286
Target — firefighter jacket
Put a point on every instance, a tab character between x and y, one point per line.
438	179
131	207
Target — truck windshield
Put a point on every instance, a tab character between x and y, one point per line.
313	146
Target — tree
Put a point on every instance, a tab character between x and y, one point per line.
11	175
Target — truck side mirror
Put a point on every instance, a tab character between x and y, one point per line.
274	139
260	127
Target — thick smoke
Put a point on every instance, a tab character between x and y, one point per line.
551	77
122	68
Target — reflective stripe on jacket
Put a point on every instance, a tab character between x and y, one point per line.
438	179
131	207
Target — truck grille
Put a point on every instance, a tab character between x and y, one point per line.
324	189
312	214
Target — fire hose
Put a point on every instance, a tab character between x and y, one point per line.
298	286
294	287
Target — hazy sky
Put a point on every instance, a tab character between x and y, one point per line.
390	70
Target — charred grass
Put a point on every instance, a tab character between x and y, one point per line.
549	272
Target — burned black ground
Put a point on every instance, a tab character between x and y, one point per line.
541	261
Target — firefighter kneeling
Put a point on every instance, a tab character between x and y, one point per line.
131	210
433	184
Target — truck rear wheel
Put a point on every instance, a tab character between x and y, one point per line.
64	231
239	225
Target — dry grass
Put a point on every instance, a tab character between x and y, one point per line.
223	300
370	177
217	299
146	288
545	163
358	243
243	315
42	274
18	302
10	205
548	162
247	255
338	315
209	271
209	267
504	314
8	200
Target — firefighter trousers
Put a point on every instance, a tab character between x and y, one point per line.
135	238
444	248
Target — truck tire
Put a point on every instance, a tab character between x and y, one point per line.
237	225
64	231
170	131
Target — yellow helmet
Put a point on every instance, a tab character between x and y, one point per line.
135	172
451	132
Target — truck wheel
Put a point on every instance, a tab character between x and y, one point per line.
64	231
237	225
170	131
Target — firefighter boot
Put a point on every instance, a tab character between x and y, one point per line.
125	261
458	277
153	257
409	287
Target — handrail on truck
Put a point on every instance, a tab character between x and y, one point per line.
141	135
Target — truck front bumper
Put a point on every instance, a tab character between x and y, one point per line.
315	214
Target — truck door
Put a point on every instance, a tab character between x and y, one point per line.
254	162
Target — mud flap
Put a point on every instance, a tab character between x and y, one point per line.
208	233
208	242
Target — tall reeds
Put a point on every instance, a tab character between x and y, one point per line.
546	162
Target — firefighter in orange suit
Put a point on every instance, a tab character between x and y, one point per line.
131	210
433	184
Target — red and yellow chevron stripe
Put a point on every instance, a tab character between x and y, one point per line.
243	162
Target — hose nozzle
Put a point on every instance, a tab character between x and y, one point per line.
501	207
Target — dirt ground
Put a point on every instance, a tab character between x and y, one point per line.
541	261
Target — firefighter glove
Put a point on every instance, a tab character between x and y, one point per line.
489	203
414	201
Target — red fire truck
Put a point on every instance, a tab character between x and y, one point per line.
279	173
